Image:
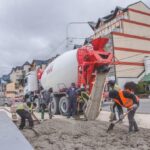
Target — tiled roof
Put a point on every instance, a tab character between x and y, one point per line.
76	46
39	62
26	63
110	16
5	77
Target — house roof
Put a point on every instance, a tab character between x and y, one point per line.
139	2
76	46
18	67
26	63
39	62
112	15
5	77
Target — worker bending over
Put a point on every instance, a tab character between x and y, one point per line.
113	86
126	98
24	111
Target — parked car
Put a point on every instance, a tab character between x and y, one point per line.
4	101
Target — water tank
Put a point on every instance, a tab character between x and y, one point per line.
61	72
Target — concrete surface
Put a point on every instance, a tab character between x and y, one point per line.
143	120
142	116
10	136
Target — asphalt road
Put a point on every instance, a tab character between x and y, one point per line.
144	107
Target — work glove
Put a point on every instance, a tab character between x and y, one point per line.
134	106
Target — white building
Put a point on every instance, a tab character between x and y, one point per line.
129	33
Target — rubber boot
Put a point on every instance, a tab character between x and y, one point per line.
42	115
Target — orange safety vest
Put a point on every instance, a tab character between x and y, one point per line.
125	102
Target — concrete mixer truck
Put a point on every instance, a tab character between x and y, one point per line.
78	66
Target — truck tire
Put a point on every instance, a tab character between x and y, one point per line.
55	105
63	105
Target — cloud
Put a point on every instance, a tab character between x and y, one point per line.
36	29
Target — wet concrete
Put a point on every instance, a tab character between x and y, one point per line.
69	134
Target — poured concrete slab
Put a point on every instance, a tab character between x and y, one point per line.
10	137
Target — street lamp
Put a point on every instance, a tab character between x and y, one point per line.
67	29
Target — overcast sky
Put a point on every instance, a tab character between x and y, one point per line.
36	29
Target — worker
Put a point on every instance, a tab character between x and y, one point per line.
31	97
43	103
83	97
126	98
50	91
24	112
72	96
113	86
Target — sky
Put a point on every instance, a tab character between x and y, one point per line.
36	29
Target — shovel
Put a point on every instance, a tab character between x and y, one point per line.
36	133
111	126
34	116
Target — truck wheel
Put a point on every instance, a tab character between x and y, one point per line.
55	105
63	105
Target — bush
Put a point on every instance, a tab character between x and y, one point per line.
142	88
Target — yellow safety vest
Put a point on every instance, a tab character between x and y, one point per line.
31	108
20	106
116	87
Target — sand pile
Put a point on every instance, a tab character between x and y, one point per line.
68	134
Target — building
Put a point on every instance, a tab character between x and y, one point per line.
15	87
18	73
36	64
11	90
3	82
26	67
129	32
12	85
42	64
